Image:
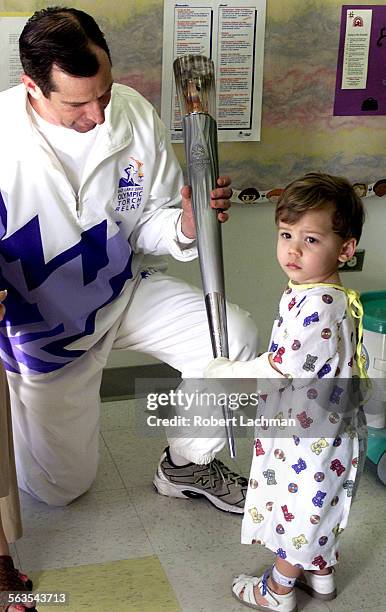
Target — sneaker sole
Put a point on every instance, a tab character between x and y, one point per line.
169	489
315	594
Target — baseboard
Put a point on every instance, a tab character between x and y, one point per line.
122	383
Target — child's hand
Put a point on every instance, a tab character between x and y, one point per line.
3	295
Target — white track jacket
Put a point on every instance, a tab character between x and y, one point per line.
69	260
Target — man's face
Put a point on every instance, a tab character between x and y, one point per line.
78	103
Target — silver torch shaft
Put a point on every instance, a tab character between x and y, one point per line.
194	75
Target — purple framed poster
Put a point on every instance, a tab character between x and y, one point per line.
361	72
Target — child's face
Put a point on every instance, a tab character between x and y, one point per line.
309	251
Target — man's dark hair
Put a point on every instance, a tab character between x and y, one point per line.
62	37
317	190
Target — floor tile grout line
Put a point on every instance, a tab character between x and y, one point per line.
115	465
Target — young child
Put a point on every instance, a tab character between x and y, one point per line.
300	487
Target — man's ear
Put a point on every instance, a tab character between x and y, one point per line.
347	250
32	89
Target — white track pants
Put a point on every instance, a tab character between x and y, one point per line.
56	416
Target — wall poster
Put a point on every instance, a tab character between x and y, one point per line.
361	73
232	35
11	25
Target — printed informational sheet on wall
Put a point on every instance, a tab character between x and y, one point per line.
361	79
11	25
232	35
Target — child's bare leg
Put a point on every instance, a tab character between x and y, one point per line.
288	570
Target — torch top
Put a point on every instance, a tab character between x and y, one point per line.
194	75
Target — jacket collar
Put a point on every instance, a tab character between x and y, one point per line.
115	133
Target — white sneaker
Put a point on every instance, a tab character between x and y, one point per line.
317	585
243	591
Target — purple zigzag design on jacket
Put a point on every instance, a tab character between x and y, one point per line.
49	305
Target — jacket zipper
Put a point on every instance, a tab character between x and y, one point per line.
77	205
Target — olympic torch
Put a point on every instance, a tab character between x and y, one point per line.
194	76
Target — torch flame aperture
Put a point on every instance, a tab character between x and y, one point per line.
193	99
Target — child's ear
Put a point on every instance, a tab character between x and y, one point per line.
347	250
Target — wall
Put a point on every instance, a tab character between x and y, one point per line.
299	134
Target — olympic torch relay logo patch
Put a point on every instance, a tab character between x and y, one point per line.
130	187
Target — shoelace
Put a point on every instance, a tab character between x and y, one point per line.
264	581
218	468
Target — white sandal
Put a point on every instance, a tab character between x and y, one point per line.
243	591
319	586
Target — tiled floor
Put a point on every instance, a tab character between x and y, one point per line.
123	518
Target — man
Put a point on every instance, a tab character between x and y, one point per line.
89	185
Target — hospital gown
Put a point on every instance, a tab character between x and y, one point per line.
302	476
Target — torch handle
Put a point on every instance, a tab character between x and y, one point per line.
200	136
